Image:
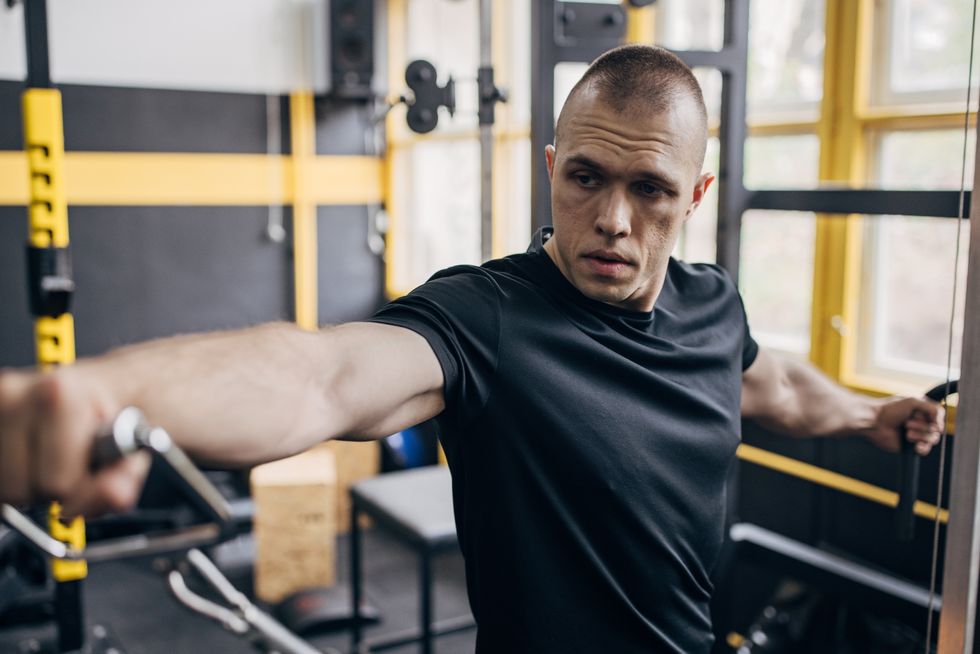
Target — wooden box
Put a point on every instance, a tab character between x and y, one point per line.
295	524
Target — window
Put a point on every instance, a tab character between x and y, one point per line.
435	178
776	262
786	46
912	131
785	87
911	257
690	24
921	51
697	239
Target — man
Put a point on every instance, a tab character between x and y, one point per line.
588	391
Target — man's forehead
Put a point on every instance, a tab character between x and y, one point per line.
675	127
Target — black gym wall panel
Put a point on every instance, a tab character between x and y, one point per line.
16	325
345	128
171	270
11	123
350	278
100	118
147	272
866	529
150	271
137	120
834	519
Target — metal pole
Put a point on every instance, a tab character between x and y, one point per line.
732	196
487	92
956	621
543	53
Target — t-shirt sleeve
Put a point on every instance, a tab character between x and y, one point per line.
750	349
458	313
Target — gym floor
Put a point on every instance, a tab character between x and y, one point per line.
132	601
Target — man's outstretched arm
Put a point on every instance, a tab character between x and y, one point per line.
230	398
794	398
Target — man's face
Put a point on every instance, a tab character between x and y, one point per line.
622	186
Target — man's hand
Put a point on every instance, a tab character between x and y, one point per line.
921	420
48	422
792	397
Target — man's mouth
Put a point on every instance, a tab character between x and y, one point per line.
607	256
606	263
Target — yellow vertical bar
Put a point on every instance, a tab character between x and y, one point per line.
836	276
396	69
302	131
639	24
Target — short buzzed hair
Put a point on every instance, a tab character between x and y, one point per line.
641	77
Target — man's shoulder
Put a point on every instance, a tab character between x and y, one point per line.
699	277
497	271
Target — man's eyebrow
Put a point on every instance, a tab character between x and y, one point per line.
585	162
649	175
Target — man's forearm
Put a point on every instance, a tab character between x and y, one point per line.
812	405
230	397
794	398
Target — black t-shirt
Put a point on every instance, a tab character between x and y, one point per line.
589	447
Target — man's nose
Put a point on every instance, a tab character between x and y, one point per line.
615	217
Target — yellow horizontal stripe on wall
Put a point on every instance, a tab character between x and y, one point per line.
144	178
346	180
13	178
833	480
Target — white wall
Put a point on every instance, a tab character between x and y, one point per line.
252	46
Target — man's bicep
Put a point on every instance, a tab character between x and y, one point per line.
761	385
389	378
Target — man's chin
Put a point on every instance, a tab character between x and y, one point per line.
603	294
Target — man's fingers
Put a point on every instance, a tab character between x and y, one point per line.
925	409
60	441
914	435
113	489
15	484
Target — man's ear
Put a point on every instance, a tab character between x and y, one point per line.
549	158
700	188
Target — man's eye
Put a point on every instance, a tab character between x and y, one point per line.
586	179
646	188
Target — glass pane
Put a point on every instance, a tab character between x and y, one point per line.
690	24
776	277
710	81
438	228
698	240
782	161
512	195
913	258
926	159
567	75
786	45
512	60
922	51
